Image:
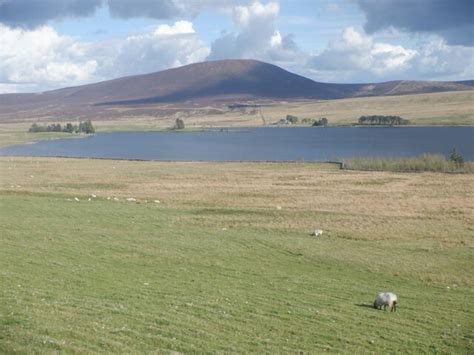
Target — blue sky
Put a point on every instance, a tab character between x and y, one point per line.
48	44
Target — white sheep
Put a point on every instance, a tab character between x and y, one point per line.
386	299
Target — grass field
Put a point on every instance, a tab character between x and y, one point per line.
226	263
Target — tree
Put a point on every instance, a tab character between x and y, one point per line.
321	122
54	127
383	120
292	119
36	128
456	158
69	128
179	124
89	127
86	127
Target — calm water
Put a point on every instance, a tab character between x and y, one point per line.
316	144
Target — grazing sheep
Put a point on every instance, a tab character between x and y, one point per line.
317	232
386	299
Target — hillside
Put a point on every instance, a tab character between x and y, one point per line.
207	83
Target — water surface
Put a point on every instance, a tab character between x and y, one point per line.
260	144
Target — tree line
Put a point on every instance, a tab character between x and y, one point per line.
83	127
311	121
383	120
321	122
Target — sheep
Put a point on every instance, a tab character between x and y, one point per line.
386	299
317	232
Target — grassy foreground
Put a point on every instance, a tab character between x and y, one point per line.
225	261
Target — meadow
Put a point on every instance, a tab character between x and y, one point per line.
219	257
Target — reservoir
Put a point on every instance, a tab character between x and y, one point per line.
259	144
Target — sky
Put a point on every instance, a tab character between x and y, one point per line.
50	44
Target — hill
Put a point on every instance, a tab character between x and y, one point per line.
207	83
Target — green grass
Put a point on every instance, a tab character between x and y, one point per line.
11	134
105	276
226	262
425	162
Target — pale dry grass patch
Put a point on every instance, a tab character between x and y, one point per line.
434	108
293	196
425	109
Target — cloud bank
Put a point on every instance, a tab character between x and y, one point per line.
452	20
42	59
356	56
33	13
42	56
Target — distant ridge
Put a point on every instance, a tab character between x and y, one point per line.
212	82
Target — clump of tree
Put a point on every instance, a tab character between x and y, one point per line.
179	124
83	127
70	128
37	128
86	127
382	120
323	122
291	119
456	158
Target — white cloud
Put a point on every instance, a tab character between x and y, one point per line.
245	15
42	59
166	47
258	37
356	56
353	39
276	39
438	60
180	27
42	56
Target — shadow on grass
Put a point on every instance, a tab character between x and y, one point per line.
365	305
